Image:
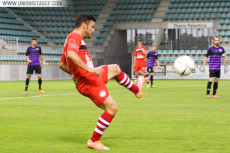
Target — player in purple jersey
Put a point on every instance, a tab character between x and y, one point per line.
35	56
215	52
151	57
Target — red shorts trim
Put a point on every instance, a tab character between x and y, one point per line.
94	87
139	66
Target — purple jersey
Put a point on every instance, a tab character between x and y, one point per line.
34	54
152	56
215	57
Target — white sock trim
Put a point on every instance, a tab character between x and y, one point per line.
123	80
99	131
101	126
104	121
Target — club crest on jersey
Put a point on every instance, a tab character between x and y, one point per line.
37	48
220	50
102	93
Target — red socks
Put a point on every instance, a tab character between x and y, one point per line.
124	80
136	78
102	124
146	79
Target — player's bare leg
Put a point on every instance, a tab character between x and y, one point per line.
110	108
40	83
115	71
136	77
27	83
146	78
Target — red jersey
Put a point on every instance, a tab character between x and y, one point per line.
139	54
74	42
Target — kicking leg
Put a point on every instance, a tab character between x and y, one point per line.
115	71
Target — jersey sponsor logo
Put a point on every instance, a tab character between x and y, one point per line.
74	46
139	56
138	50
102	93
89	62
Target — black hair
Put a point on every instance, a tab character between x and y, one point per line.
83	17
34	38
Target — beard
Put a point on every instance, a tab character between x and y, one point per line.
88	36
217	44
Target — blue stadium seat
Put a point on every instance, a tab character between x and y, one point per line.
167	59
219	28
227	21
170	52
181	51
217	33
161	59
224	16
225	28
196	58
176	52
228	33
204	52
221	22
165	52
187	52
226	40
193	52
159	51
173	58
199	52
201	58
222	33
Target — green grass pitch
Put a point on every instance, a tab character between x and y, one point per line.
175	117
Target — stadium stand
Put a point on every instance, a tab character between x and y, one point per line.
52	25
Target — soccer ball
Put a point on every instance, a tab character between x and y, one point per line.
183	65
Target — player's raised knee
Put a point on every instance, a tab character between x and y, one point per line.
117	68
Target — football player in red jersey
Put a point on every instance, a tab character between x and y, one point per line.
139	61
91	81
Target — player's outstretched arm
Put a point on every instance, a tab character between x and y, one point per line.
64	67
204	62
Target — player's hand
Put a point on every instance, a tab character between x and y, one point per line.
29	61
203	69
133	65
98	71
225	70
41	66
159	67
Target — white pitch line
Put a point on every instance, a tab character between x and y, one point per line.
109	91
52	95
